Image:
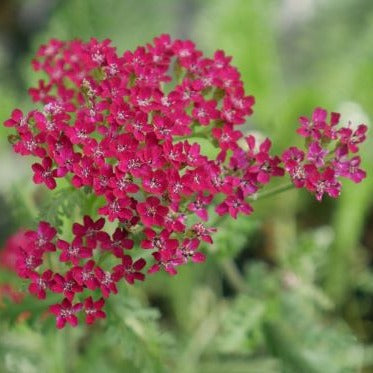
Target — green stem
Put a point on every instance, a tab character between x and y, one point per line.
271	192
233	276
253	198
231	272
200	135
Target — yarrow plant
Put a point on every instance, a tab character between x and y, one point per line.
125	128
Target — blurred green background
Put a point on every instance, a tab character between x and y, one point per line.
289	289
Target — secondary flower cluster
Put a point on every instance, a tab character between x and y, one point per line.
328	155
125	127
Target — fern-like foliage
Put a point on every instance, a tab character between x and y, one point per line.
62	206
135	330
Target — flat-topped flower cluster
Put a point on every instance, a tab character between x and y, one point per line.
125	127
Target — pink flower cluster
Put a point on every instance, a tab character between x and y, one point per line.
124	127
328	154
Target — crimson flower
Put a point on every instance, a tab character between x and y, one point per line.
85	275
106	281
43	173
73	252
40	284
188	251
93	310
116	208
42	237
91	231
65	313
130	270
152	212
66	285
